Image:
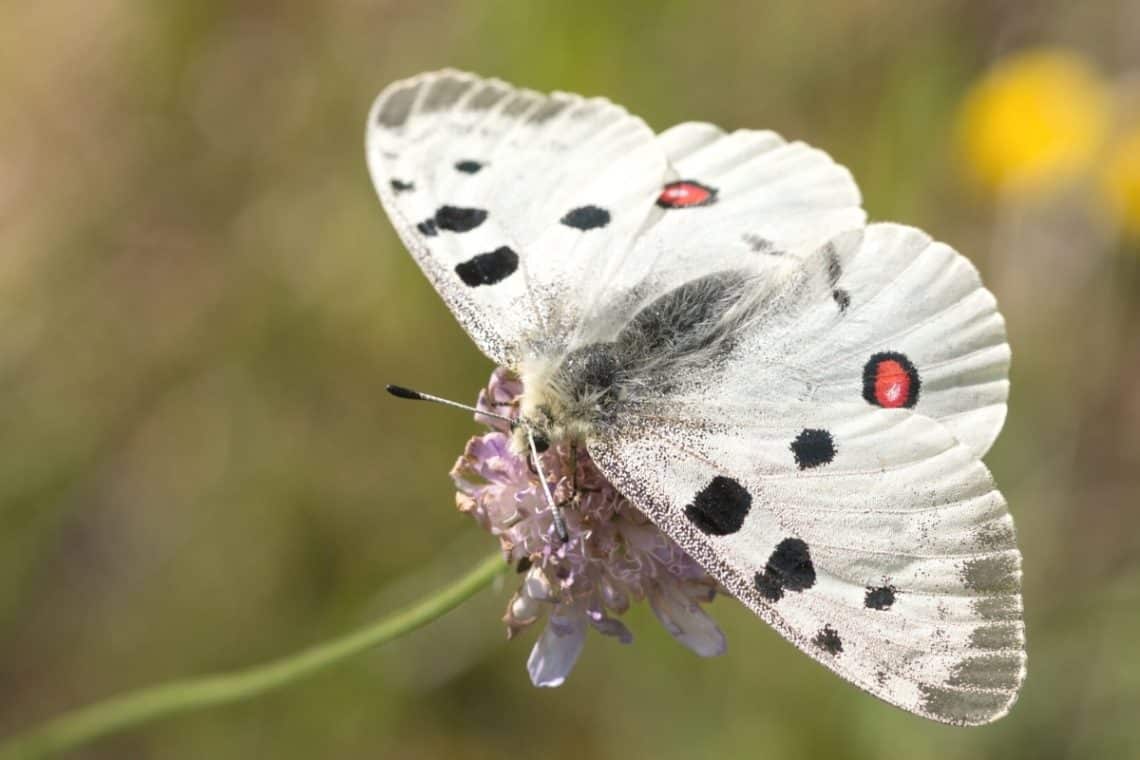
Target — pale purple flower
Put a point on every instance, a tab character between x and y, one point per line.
615	555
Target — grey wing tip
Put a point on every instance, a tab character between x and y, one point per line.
961	707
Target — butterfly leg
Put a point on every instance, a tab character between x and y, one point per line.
576	491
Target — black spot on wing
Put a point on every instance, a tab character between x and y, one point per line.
468	167
834	268
399	186
880	598
719	508
586	218
488	268
828	640
759	244
842	299
813	448
457	219
789	569
427	228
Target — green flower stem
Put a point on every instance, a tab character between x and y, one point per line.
100	719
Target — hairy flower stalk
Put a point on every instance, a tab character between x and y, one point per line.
615	555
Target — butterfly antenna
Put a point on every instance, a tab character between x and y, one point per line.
555	510
400	391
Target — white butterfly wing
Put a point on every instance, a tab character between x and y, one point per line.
891	313
826	469
870	538
858	394
891	309
530	212
769	196
510	200
742	199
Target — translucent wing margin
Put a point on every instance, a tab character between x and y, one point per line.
872	539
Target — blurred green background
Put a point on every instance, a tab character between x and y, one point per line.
201	300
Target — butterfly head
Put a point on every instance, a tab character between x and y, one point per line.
569	398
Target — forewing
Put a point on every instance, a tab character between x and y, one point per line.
741	200
871	538
510	199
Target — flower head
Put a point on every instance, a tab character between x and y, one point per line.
1036	120
615	555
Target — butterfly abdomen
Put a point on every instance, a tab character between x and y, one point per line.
680	336
691	319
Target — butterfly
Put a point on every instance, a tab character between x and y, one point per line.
798	398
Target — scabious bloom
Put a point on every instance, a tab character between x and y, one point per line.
615	555
1035	121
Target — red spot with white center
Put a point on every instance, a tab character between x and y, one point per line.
686	193
892	386
890	380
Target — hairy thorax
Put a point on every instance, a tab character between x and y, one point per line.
568	399
675	336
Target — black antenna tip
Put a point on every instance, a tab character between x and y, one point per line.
400	391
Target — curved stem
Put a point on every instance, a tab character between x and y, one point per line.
93	721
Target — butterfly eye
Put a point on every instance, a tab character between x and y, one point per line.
541	442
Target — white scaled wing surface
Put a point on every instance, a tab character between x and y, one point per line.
742	199
510	200
824	467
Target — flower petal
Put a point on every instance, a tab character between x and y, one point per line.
537	585
613	627
557	650
686	621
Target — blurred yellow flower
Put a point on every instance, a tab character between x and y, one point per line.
1121	177
1034	121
